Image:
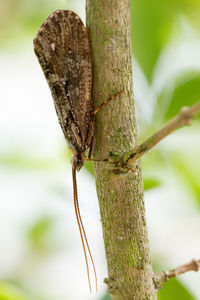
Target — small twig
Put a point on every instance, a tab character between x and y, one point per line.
182	119
164	276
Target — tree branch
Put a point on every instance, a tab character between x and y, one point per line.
164	276
182	119
120	197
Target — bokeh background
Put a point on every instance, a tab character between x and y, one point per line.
40	250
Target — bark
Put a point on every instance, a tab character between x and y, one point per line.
120	194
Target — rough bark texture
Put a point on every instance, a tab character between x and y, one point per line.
120	195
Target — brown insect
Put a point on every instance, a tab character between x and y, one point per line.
63	50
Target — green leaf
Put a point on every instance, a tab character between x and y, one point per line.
185	93
191	9
174	290
153	23
151	183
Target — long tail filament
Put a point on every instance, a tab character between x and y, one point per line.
82	230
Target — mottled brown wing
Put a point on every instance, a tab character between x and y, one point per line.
63	50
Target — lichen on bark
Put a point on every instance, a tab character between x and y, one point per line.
120	195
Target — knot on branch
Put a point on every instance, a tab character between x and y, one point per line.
186	115
195	265
111	284
159	279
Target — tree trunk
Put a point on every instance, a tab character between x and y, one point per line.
120	194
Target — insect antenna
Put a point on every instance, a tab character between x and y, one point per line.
82	230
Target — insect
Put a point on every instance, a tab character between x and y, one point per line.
63	50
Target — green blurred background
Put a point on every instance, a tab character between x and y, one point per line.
40	252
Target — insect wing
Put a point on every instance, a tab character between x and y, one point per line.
63	50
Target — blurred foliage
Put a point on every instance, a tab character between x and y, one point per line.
188	171
181	91
39	234
89	167
150	183
22	161
106	297
20	18
174	290
152	25
10	292
186	93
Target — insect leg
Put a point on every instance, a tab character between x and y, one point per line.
100	160
107	101
120	167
